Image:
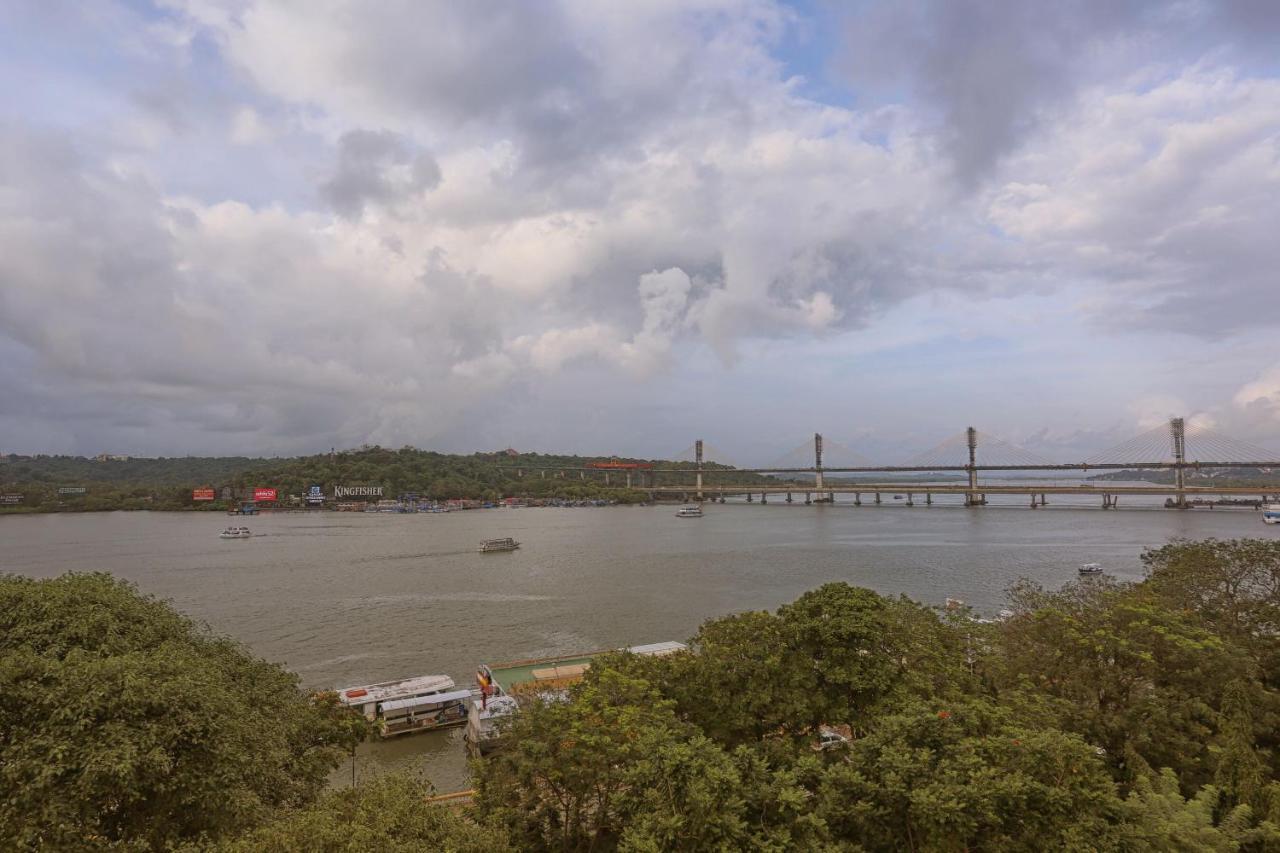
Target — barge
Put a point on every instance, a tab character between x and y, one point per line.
410	705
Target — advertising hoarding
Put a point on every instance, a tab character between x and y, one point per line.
264	494
71	490
10	500
205	494
315	495
340	492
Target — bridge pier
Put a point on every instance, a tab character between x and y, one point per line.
807	499
764	498
831	497
910	501
788	497
877	499
928	498
1043	502
857	498
749	498
629	481
1033	500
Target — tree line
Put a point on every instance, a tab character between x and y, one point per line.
1099	716
166	484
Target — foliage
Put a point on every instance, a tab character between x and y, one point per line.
167	483
967	777
122	723
387	814
612	766
1129	676
1159	819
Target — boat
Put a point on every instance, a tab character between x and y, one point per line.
504	544
1271	513
410	705
503	686
1090	569
235	533
690	511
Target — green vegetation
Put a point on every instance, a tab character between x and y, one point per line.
1102	716
166	484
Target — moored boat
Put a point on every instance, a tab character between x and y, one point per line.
690	511
504	686
1271	513
1090	569
504	544
410	705
235	533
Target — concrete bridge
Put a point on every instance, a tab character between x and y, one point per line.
1165	448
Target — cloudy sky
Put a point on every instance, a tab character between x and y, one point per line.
276	226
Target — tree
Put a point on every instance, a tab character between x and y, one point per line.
861	649
1159	819
124	723
1125	673
611	767
966	777
389	814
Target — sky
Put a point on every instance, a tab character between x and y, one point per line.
270	227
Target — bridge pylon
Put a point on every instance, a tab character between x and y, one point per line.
697	454
971	498
817	461
1178	433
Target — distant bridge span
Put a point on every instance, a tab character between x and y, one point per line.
1226	454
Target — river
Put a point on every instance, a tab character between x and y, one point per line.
347	598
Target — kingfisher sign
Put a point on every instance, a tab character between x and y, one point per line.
264	494
340	492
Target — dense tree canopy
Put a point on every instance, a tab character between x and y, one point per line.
124	723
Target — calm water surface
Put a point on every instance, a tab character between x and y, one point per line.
347	598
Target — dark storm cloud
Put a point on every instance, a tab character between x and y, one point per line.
377	167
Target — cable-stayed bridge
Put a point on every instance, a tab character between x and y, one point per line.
813	470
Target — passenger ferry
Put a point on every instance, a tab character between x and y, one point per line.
504	544
690	511
235	533
410	705
503	686
1271	513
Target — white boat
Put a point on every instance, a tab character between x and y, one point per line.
1091	569
410	704
504	544
1271	513
690	511
235	533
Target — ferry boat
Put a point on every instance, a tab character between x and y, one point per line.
1090	569
690	511
1271	513
504	544
235	533
410	705
503	686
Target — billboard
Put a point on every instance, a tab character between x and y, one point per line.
264	494
340	492
10	500
315	495
72	490
205	494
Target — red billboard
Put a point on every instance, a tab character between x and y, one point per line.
261	494
202	494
